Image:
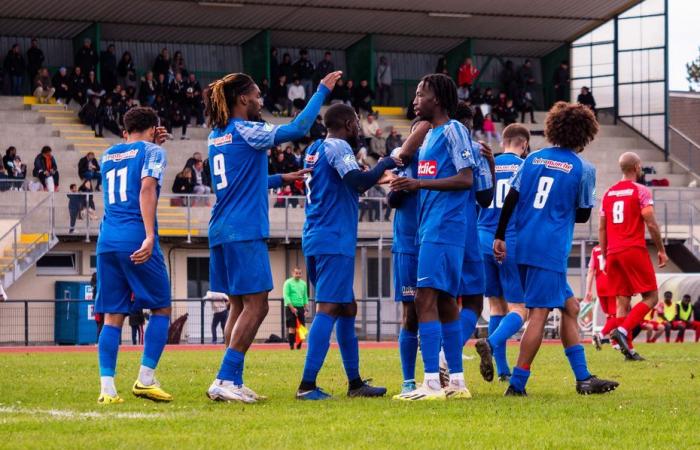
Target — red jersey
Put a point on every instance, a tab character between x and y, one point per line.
622	208
601	278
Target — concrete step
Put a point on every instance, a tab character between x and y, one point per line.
20	117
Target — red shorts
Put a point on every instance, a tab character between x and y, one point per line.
609	305
630	272
654	324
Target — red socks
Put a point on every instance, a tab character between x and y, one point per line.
610	324
635	317
621	323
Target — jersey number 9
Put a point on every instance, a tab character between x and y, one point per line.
220	171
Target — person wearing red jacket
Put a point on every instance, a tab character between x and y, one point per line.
467	74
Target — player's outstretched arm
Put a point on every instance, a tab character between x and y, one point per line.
655	232
362	181
148	199
277	181
414	141
301	125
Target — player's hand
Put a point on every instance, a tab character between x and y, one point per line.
143	254
588	297
388	177
332	78
404	184
486	152
663	259
291	177
160	136
499	250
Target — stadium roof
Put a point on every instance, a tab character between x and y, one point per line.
499	27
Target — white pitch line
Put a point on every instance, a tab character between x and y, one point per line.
68	414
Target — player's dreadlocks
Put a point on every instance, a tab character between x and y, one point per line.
221	97
445	91
570	125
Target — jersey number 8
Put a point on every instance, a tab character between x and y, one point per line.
618	211
543	189
220	171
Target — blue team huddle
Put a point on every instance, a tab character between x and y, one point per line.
467	225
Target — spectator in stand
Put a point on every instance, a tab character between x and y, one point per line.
35	60
183	183
393	141
93	88
219	309
467	74
489	98
126	72
282	193
5	185
285	68
196	157
86	58
61	84
441	66
377	145
162	86
178	118
86	188
304	71
162	109
318	130
90	115
14	68
109	116
500	107
202	179
490	130
77	86
668	310
685	314
586	98
369	127
43	90
324	67
279	164
147	91
274	65
13	164
108	67
46	170
75	205
526	105
296	92
178	66
162	64
298	154
362	97
509	80
384	82
526	76
509	114
195	100
296	298
478	123
137	319
177	88
278	102
89	169
561	82
340	94
193	105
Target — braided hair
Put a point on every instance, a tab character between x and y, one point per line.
221	97
445	91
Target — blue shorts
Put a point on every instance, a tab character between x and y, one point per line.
332	277
240	268
471	281
405	274
118	278
544	288
440	267
503	280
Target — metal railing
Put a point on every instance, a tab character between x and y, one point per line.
684	149
72	322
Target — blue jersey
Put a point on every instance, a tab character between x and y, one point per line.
123	167
446	150
552	184
406	216
332	206
506	166
483	180
238	164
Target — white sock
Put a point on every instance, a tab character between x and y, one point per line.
622	330
457	378
432	381
146	375
443	360
107	386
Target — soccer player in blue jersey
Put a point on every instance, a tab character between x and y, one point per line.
552	190
329	241
239	225
129	259
445	174
503	287
405	253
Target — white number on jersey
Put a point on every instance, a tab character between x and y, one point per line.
111	178
307	182
543	188
220	171
618	211
502	188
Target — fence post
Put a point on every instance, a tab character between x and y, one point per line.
189	232
201	321
26	323
286	221
379	320
87	218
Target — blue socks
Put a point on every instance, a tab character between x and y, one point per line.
519	378
319	340
408	350
349	348
469	320
510	324
154	340
232	367
577	360
494	321
107	349
430	345
452	344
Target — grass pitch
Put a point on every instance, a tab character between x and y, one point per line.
48	400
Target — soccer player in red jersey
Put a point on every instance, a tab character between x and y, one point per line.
627	206
608	302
